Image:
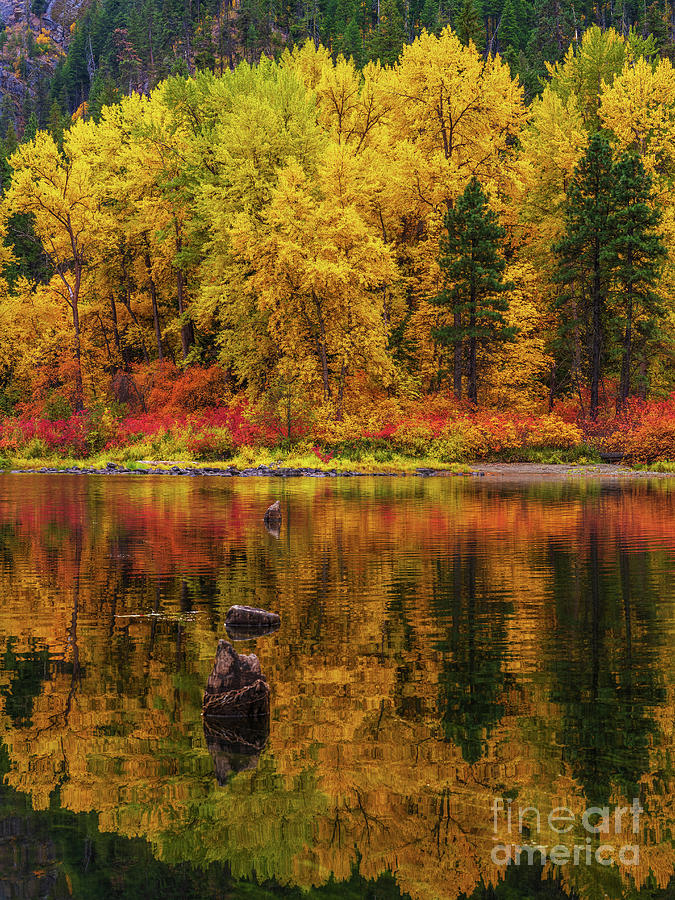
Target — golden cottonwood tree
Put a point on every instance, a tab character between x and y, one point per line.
60	193
639	109
459	111
245	128
552	144
453	115
320	277
587	67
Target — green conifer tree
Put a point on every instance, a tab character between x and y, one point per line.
470	25
636	252
584	263
656	26
429	17
103	93
352	45
472	267
509	35
56	124
31	128
389	36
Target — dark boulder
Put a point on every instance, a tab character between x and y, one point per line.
236	711
273	514
236	686
252	619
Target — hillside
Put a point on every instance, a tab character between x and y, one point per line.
72	51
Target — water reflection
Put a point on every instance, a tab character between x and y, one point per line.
445	642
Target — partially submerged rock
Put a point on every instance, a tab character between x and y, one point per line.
236	686
273	514
250	618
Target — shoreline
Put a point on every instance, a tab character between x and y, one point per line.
499	470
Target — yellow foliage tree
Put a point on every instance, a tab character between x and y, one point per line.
320	277
58	190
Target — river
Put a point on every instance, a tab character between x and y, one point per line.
466	668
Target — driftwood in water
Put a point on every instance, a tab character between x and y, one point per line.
273	514
236	687
252	619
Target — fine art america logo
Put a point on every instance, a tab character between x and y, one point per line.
596	821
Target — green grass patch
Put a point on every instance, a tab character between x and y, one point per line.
366	456
664	465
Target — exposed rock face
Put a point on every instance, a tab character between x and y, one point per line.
250	618
6	10
273	514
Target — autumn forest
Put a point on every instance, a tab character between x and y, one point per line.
419	257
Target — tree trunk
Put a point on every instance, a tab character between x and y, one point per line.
341	390
127	303
186	331
289	417
472	393
155	310
75	297
321	348
642	386
457	375
552	387
473	377
324	369
596	338
187	335
116	334
626	361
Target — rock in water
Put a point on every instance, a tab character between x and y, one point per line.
236	686
236	711
273	514
232	670
252	619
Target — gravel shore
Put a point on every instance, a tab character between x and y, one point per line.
502	471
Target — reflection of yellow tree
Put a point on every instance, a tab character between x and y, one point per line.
357	769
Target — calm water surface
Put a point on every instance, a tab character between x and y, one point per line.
446	643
